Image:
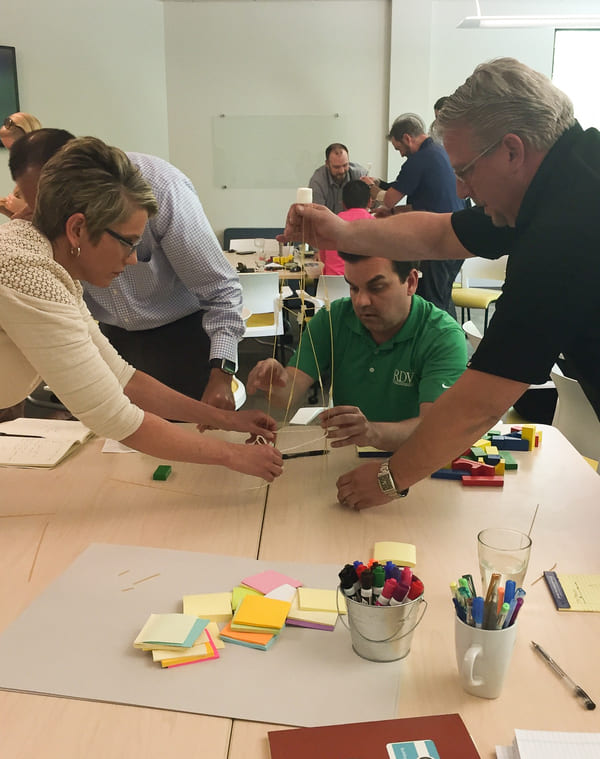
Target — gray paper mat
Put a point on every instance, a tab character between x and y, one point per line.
75	640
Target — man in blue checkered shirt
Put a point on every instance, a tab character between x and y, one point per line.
177	314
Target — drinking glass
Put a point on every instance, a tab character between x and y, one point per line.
259	247
504	551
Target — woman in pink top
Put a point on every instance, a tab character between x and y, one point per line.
357	200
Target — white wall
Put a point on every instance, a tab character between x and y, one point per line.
149	75
283	58
92	68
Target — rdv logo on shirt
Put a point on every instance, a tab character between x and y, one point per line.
403	377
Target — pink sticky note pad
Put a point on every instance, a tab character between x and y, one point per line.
268	580
214	655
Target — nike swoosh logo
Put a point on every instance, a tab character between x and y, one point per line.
446	387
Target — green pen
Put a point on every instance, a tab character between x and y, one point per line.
502	616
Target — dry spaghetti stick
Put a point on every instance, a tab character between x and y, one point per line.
150	577
37	550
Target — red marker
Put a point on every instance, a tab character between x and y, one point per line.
416	589
388	591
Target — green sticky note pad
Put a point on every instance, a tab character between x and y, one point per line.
161	472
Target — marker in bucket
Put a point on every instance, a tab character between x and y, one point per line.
387	592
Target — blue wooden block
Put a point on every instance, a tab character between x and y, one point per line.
492	458
448	474
507	443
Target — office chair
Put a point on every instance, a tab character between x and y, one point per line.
536	404
467	297
260	295
575	416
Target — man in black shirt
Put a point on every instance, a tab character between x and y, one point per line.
518	151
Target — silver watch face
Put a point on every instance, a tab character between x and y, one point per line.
386	482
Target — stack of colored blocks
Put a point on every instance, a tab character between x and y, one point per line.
485	463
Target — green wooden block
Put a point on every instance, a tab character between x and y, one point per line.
161	472
476	452
509	461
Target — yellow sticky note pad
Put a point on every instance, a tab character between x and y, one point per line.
320	599
213	606
402	554
325	618
258	611
168	631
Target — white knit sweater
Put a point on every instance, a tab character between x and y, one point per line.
46	331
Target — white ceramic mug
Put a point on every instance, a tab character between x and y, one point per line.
483	657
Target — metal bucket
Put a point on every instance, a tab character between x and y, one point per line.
383	633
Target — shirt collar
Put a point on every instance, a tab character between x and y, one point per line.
549	169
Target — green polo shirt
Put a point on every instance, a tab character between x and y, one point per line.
389	381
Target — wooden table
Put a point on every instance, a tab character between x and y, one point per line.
112	498
304	522
312	268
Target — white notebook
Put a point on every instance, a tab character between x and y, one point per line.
56	439
546	744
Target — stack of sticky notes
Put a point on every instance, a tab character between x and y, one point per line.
260	614
216	607
253	614
267	581
316	608
176	639
261	641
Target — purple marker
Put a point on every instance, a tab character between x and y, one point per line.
516	611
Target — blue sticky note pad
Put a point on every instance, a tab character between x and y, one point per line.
413	750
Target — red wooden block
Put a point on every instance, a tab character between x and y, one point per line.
465	464
488	482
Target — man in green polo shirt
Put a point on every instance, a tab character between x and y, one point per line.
393	355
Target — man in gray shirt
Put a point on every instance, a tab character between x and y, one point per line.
329	180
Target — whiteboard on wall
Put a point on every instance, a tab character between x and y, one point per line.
271	152
575	71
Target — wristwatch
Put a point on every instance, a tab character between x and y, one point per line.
387	484
223	364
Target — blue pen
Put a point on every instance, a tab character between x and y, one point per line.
519	593
477	611
460	612
509	591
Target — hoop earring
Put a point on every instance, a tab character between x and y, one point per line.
75	252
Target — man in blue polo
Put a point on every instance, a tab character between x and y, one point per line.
428	182
393	355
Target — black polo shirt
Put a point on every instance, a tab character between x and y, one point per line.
551	297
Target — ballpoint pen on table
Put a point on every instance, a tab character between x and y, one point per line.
14	434
578	691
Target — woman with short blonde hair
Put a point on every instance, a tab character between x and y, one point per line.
91	210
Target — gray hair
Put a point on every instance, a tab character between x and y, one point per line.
505	96
407	123
87	176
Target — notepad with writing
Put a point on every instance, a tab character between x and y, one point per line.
370	739
56	439
581	591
